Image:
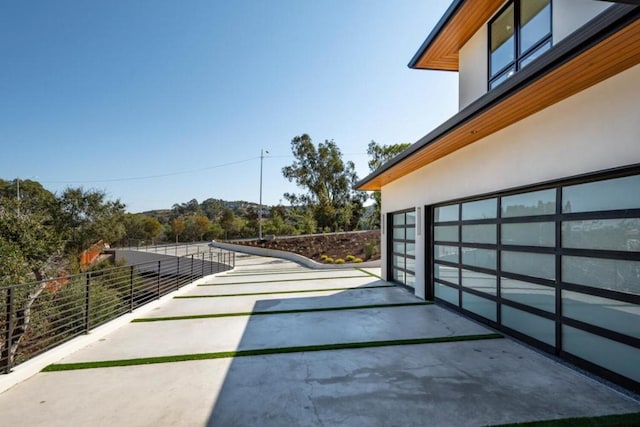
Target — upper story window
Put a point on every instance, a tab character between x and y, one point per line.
518	34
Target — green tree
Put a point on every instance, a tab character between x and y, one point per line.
215	231
226	222
304	221
177	227
378	156
328	182
212	208
36	230
87	217
197	226
28	245
151	227
27	236
133	228
277	225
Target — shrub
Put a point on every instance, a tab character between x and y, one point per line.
328	260
350	258
370	248
356	260
339	261
324	257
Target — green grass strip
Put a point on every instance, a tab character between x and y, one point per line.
632	419
279	281
263	313
272	272
282	292
369	273
262	352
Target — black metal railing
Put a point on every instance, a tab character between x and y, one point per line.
176	249
37	316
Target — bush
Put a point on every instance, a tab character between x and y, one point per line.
328	260
324	257
370	249
350	258
339	261
356	260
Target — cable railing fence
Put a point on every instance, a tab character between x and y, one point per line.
37	316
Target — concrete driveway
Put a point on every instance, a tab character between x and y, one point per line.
275	344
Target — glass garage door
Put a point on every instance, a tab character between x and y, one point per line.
403	247
557	266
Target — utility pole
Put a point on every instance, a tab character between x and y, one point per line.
18	194
262	153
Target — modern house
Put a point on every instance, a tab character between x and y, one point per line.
523	209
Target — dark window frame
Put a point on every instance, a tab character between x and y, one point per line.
391	227
558	284
516	64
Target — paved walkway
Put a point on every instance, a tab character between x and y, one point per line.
331	348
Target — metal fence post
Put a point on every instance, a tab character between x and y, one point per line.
5	357
191	275
159	279
202	269
87	303
177	273
131	289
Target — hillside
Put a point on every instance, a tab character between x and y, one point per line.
364	245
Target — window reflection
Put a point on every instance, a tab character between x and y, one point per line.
535	22
516	41
502	40
608	234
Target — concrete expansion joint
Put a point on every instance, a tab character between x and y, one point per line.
310	394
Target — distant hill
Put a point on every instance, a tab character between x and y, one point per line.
211	208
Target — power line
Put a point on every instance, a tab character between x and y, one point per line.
135	178
168	174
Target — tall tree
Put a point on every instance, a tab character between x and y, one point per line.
177	227
328	181
134	228
378	156
86	216
200	225
151	227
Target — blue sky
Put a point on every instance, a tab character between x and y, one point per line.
158	102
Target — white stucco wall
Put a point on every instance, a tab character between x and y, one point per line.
566	16
472	78
596	129
569	15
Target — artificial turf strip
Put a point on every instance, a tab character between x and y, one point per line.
632	419
272	272
263	313
281	292
279	281
261	352
369	273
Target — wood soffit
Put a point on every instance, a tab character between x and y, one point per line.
440	52
616	53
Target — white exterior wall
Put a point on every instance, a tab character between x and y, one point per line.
567	16
472	78
596	129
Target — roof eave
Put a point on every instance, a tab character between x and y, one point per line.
440	26
610	21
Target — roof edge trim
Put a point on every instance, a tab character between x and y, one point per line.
610	21
442	23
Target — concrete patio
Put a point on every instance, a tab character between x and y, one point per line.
486	381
